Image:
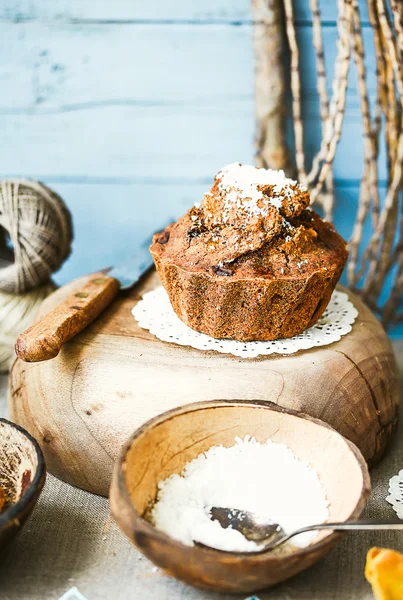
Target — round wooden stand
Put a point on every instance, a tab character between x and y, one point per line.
106	382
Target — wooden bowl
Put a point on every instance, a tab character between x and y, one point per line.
165	444
22	475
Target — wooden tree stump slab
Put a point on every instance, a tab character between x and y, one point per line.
106	382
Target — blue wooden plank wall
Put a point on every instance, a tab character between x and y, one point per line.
128	108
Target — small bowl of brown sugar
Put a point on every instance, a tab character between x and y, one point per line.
22	476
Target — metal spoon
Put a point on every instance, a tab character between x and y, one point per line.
271	535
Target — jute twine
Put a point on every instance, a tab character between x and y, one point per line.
17	312
38	224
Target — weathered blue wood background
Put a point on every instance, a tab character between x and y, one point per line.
128	108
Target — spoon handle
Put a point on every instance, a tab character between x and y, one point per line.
353	525
346	526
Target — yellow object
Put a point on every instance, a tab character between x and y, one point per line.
384	571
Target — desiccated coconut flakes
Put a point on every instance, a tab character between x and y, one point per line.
265	479
240	186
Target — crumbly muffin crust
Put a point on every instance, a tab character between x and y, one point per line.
252	261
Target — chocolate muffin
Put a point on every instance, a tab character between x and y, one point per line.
252	261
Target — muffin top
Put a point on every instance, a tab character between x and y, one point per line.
253	222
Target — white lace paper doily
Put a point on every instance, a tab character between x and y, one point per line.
155	313
395	497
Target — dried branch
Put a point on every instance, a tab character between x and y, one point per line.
382	240
270	85
369	182
296	90
326	199
339	92
383	255
380	72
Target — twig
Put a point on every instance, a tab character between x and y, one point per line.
339	92
296	90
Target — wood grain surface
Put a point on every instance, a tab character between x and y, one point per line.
111	378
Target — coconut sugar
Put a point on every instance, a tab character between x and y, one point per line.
266	479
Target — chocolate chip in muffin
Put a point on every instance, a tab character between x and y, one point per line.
221	271
197	229
194	232
163	237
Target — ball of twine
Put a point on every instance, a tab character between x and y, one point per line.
39	226
17	312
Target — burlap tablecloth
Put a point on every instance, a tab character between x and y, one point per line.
70	540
